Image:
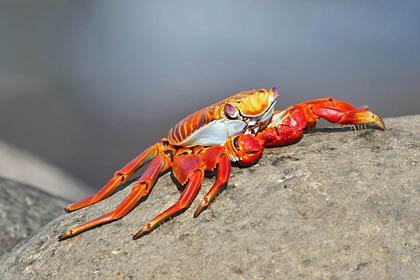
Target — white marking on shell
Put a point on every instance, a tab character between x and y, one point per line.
214	133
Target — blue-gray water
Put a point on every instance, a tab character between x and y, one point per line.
89	84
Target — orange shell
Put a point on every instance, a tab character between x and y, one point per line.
250	103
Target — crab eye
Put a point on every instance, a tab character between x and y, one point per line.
235	143
275	92
231	111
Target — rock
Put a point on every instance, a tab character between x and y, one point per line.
340	204
23	210
20	165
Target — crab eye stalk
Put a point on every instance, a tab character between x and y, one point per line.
275	92
231	111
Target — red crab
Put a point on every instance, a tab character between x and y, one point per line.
233	130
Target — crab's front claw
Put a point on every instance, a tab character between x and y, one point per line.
359	116
244	149
285	128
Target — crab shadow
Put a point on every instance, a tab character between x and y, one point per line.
340	129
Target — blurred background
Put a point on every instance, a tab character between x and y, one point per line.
87	85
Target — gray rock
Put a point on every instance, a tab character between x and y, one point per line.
23	210
22	166
340	204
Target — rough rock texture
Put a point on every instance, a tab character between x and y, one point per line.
339	204
24	167
23	210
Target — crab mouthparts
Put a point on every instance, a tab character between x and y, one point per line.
253	129
254	125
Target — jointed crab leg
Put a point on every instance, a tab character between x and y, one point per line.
223	174
120	177
337	111
140	189
286	127
184	201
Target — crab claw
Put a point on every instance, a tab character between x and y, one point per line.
247	148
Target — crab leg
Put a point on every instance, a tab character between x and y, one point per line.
223	174
140	189
286	127
337	111
120	177
195	177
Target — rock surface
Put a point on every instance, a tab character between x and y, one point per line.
23	210
21	166
340	204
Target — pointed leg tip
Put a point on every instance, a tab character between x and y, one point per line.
203	205
198	211
63	237
145	230
381	124
139	234
377	121
70	208
66	235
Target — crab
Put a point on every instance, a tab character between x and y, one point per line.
236	129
